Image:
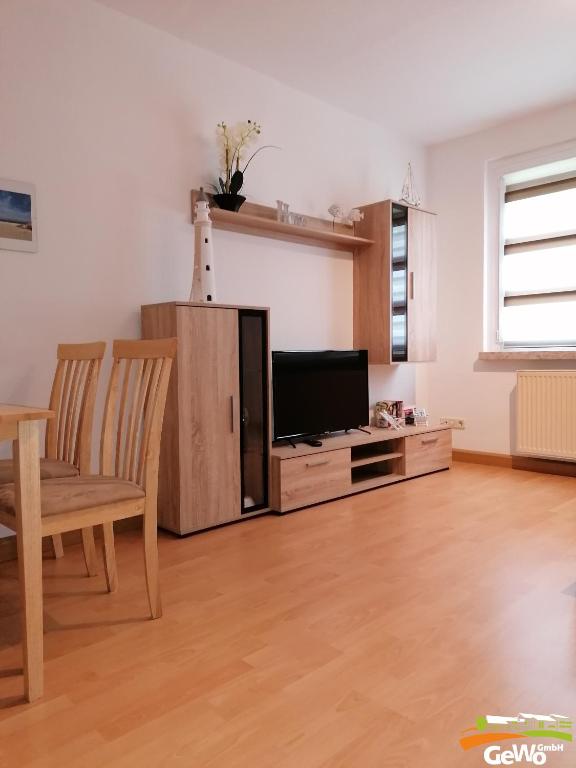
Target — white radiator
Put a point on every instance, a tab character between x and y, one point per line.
546	414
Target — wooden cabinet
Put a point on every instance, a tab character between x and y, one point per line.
395	284
310	479
356	461
215	443
422	285
425	453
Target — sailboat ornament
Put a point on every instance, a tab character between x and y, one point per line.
409	193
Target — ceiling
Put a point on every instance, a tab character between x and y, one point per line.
434	69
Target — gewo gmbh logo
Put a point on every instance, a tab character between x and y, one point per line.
498	728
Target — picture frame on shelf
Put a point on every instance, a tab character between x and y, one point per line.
388	413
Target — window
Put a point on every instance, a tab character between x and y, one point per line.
537	286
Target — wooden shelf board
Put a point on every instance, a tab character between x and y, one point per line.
375	459
260	220
282	450
255	225
204	305
375	482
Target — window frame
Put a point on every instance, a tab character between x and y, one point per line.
495	175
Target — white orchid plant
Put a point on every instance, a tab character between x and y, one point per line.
234	142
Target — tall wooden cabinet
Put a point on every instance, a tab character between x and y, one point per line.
395	284
214	462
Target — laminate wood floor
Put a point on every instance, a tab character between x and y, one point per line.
364	633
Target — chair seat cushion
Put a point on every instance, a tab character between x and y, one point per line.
62	495
49	468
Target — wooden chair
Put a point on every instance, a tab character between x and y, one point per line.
129	456
68	445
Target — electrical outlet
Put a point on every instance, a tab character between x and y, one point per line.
453	422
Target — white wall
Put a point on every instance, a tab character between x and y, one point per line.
114	121
460	385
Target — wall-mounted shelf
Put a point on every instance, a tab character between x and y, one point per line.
260	220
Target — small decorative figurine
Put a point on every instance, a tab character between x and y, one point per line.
203	279
337	212
355	215
409	194
282	212
298	219
285	215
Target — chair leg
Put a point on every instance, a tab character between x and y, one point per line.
57	546
151	564
89	548
110	557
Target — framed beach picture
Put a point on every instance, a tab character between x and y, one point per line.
17	216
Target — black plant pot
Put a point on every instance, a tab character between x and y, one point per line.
228	201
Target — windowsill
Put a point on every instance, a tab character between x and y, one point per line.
529	354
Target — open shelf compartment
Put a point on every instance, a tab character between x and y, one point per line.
377	464
364	481
374	453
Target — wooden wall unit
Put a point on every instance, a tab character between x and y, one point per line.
396	324
372	298
353	462
212	460
422	285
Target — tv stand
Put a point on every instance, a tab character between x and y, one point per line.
350	463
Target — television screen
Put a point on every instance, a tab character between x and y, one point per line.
317	392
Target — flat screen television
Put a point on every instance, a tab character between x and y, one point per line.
319	392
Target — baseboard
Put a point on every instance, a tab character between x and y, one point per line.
526	463
8	544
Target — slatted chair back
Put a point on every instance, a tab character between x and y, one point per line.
73	396
134	410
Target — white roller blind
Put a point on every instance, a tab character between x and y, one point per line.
538	265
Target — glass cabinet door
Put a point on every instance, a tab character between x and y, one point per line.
254	408
399	277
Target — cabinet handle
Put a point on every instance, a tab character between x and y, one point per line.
429	440
321	463
233	413
411	285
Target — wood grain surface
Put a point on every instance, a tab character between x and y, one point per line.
363	633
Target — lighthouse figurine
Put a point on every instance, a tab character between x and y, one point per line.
203	280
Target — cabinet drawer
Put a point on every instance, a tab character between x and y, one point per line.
317	477
428	452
